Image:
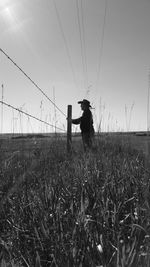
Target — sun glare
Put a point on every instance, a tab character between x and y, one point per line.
8	13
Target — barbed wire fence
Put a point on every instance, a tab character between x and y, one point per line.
34	145
39	89
29	116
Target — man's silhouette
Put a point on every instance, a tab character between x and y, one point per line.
86	124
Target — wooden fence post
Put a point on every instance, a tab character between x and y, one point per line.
69	128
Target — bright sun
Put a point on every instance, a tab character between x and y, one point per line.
8	13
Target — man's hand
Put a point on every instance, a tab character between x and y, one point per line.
69	120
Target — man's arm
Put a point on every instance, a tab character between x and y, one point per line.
76	121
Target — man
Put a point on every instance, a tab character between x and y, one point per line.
86	124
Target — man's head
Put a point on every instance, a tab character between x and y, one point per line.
85	104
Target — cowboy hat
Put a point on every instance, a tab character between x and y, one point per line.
85	102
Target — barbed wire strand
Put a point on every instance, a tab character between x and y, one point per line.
101	47
81	42
84	47
32	81
31	116
65	43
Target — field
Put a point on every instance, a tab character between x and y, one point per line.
76	209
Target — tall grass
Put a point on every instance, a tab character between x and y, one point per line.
75	210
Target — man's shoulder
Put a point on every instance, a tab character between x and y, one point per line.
87	111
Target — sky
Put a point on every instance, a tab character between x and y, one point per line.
75	49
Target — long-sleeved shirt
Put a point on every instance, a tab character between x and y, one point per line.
85	121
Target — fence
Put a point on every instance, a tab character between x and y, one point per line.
69	111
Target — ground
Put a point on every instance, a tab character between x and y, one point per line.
77	209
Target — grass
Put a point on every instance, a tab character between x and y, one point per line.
75	210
